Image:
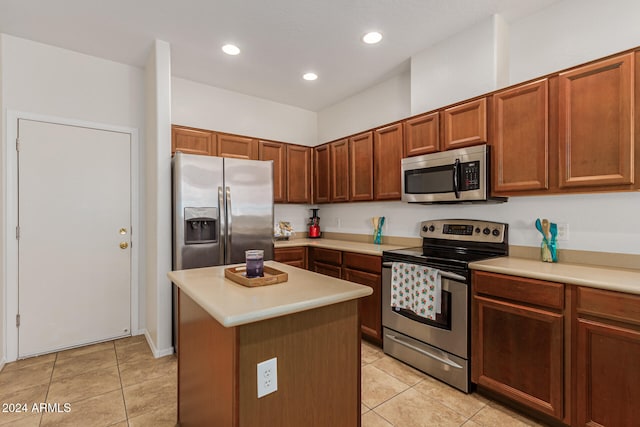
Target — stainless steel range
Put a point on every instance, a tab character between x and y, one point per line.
441	347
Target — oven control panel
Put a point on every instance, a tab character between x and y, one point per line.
464	230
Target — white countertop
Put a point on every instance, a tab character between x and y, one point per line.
339	245
232	304
615	279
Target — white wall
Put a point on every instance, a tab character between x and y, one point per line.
158	198
569	33
466	65
49	81
3	148
381	104
207	107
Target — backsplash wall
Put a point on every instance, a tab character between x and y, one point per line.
597	222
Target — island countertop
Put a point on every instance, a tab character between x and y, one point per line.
232	304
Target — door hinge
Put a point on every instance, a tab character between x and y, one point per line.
18	232
17	144
17	320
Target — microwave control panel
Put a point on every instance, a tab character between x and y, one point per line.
470	175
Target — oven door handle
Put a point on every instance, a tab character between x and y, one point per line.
445	274
424	352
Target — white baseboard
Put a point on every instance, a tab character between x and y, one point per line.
156	352
2	363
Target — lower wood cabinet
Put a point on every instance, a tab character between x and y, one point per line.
296	256
518	340
608	358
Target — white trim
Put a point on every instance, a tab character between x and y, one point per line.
2	363
11	214
157	353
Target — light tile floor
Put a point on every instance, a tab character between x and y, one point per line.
119	383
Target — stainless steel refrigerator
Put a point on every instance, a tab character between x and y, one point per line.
222	207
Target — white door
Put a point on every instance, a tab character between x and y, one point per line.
74	216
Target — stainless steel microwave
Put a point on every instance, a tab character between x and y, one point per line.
453	176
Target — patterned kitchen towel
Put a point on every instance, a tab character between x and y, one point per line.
416	288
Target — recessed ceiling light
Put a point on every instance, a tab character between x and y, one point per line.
231	49
310	76
372	37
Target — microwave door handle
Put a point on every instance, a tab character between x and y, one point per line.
456	183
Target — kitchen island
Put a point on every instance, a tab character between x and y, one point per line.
310	323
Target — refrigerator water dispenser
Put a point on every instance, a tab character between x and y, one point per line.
201	225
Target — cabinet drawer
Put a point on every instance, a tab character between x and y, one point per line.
370	263
529	291
328	256
327	269
609	304
290	254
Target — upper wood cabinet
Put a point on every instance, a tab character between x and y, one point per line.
321	181
298	161
521	138
361	167
422	135
387	159
339	170
596	141
465	124
276	151
192	141
238	147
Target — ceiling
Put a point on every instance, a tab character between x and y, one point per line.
280	39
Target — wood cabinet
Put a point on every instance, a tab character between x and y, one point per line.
295	256
326	261
596	132
238	147
321	182
192	141
608	351
422	134
277	152
518	340
339	171
361	167
367	270
298	161
520	146
387	162
465	124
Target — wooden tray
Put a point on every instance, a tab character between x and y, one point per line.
271	276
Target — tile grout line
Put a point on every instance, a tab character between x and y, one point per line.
126	411
53	368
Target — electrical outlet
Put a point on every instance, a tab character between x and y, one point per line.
267	377
339	222
563	232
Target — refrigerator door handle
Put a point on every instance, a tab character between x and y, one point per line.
221	226
229	232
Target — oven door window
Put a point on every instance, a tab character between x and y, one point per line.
443	320
438	179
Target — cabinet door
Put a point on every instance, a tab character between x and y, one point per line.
321	174
465	124
298	174
422	135
387	158
339	170
192	141
277	152
608	374
361	167
370	306
296	256
521	138
327	269
596	124
518	352
238	147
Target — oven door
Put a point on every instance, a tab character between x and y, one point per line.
449	332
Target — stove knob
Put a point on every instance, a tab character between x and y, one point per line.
477	229
486	231
496	232
431	228
425	228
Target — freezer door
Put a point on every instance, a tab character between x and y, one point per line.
198	220
249	202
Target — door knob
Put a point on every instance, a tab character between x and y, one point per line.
124	245
123	231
